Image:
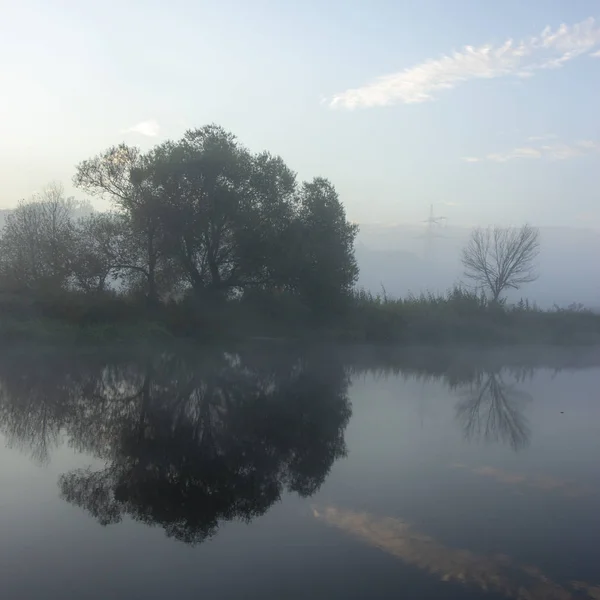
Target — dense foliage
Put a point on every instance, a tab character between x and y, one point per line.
201	217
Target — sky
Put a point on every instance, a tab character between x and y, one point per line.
487	110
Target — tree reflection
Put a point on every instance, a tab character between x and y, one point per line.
188	441
492	410
491	406
36	401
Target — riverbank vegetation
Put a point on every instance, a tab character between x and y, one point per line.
209	241
458	317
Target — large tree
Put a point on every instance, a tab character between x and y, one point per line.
222	208
219	219
497	259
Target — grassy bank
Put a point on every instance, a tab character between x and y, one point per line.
463	317
457	317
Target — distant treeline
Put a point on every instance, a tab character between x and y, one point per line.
207	239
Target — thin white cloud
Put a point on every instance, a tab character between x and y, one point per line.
149	128
523	152
554	151
471	159
420	83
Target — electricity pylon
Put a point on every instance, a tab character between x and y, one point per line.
430	233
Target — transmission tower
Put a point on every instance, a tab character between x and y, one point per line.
431	231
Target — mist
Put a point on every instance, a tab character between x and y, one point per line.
404	259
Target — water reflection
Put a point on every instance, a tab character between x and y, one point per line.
492	410
498	573
38	399
188	441
491	401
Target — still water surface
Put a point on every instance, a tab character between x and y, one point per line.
286	473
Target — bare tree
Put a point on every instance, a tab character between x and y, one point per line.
501	258
36	249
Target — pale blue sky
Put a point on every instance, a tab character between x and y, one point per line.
75	75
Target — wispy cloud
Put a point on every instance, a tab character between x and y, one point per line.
523	152
149	128
554	151
420	83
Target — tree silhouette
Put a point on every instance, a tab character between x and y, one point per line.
492	410
501	258
205	217
38	397
191	443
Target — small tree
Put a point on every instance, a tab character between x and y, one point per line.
501	258
38	243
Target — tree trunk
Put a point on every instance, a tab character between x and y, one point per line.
152	297
215	275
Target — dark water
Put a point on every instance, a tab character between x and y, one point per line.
286	473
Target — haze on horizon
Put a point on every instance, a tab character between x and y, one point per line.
487	110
